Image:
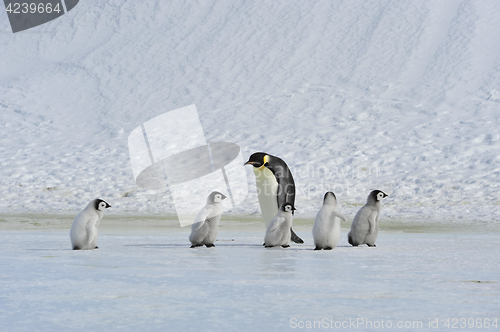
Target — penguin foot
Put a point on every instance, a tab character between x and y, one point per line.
76	248
285	246
328	248
96	247
210	245
318	248
268	246
196	245
264	244
373	245
295	238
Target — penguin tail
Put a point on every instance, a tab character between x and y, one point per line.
295	238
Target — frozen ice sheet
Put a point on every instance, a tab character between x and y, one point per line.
153	281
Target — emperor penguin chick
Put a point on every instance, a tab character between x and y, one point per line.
364	227
326	229
84	230
206	225
278	232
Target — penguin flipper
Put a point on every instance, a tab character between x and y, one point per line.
286	189
294	237
91	233
203	216
276	223
337	213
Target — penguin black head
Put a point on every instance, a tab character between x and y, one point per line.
287	207
101	205
377	196
329	198
215	197
256	159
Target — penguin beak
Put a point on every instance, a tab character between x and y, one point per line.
249	163
223	197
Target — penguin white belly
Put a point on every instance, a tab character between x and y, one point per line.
213	230
267	187
371	237
93	241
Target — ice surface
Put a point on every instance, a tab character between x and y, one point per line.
151	280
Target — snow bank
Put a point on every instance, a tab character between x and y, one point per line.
353	95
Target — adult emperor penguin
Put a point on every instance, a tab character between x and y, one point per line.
364	227
275	186
84	231
278	232
206	225
326	229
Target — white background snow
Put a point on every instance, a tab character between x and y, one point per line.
402	96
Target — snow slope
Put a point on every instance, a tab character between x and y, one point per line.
353	95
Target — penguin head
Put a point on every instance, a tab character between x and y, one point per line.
376	196
258	159
101	205
287	207
330	198
215	197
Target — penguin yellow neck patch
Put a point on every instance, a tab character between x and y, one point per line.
265	160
